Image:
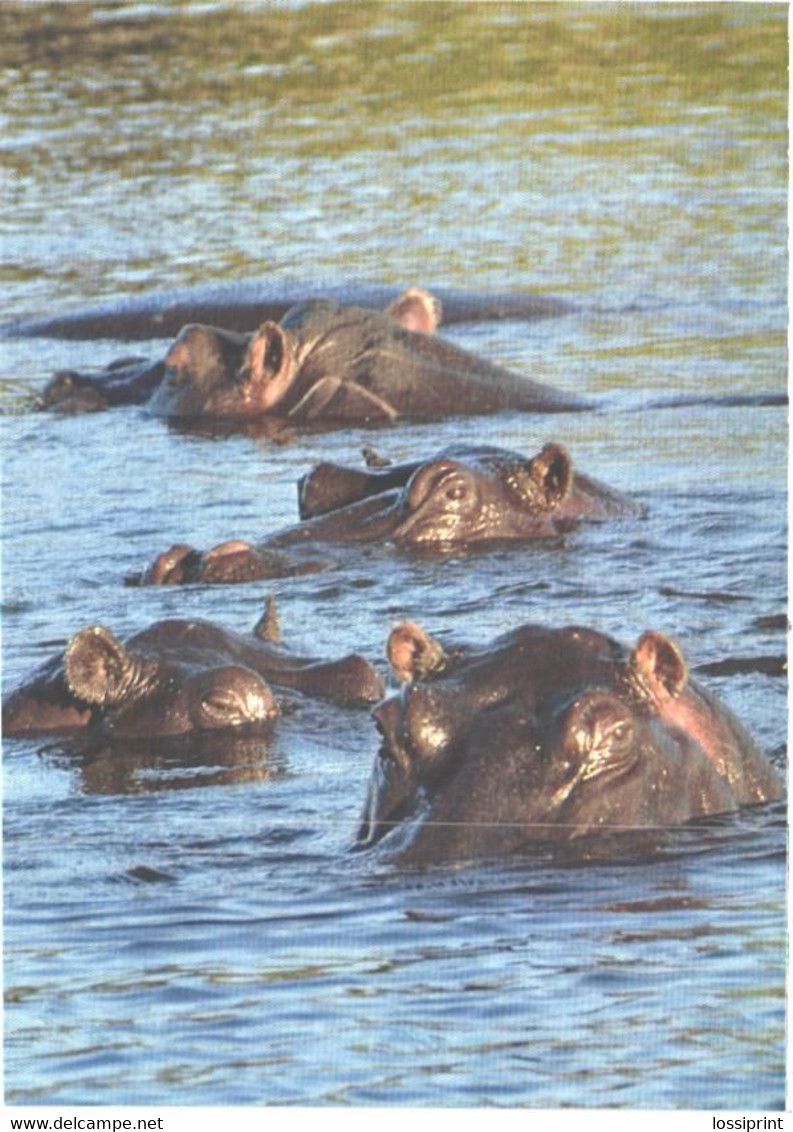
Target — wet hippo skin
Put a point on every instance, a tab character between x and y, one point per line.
323	362
496	493
463	497
547	736
176	677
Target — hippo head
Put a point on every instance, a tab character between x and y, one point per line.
137	695
545	736
495	495
215	373
211	373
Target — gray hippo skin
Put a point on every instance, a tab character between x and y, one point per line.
323	362
177	677
548	736
242	305
462	498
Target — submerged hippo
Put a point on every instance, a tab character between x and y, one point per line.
322	362
463	497
548	735
176	677
243	304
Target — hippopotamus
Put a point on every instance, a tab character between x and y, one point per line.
461	498
323	362
177	677
241	305
549	736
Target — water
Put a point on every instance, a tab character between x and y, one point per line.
184	924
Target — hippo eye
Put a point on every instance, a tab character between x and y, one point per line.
219	703
600	731
602	736
456	491
622	732
234	697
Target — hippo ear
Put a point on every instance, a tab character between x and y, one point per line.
552	472
417	310
96	665
661	663
268	353
412	653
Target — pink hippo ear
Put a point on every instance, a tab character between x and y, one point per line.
416	310
267	351
269	366
661	664
97	665
412	653
552	472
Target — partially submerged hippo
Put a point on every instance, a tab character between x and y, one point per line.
322	362
176	677
481	491
463	497
549	735
241	305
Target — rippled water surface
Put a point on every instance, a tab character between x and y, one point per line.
184	924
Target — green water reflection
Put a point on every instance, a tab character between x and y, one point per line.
551	136
634	63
